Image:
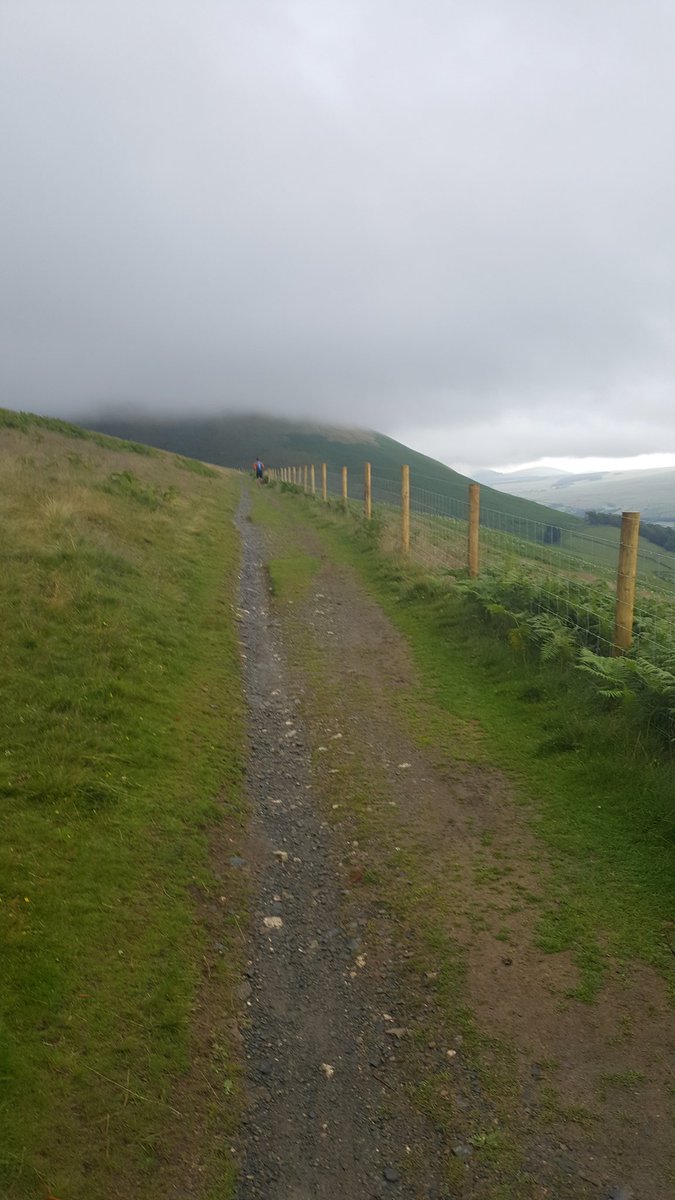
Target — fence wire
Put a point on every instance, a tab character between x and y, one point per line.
562	571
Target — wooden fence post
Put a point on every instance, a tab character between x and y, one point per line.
305	477
474	526
324	482
625	582
367	493
344	487
405	509
312	480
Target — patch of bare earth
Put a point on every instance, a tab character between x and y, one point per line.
580	1093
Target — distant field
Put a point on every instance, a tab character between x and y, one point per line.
121	733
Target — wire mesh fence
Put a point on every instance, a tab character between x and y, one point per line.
564	571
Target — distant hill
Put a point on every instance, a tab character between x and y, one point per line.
500	479
650	492
227	441
234	440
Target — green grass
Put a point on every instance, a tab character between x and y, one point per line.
599	790
291	577
36	426
610	1082
121	732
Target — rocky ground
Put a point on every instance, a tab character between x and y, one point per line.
319	1031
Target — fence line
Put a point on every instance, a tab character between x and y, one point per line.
617	596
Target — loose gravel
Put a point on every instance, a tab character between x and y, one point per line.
318	1123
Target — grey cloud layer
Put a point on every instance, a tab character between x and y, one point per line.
423	216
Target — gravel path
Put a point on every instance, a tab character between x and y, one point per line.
317	1123
377	941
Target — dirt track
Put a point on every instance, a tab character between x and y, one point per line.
317	1033
360	1085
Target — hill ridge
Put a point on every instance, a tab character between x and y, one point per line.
233	440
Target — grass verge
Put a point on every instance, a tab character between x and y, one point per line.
291	577
122	732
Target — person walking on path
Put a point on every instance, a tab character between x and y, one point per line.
259	469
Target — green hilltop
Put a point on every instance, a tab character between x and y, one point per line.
232	440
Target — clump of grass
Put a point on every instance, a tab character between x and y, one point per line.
195	467
290	577
612	1081
125	483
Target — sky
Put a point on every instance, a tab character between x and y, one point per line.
450	221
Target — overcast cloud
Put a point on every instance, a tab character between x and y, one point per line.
451	220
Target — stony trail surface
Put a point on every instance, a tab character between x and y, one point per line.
313	1030
404	1033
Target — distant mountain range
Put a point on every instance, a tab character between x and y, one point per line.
232	440
649	492
495	478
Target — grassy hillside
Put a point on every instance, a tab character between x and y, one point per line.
121	730
235	440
